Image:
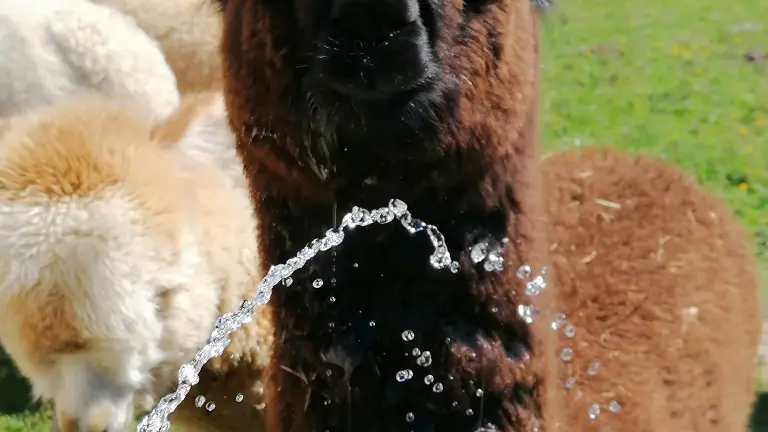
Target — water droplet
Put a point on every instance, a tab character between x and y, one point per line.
570	382
332	299
416	352
454	404
425	359
437	388
527	313
398	207
566	354
287	281
478	252
210	406
372	324
454	267
239	397
614	407
317	283
469	412
355	265
259	388
593	367
402	375
558	321
333	281
410	373
535	286
199	401
331	325
479	393
409	417
408	335
593	411
429	379
570	331
524	271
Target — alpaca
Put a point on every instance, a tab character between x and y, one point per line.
414	120
54	49
121	242
661	285
435	103
188	32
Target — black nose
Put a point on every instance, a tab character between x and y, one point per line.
373	21
375	48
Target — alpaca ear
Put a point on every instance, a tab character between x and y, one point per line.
220	4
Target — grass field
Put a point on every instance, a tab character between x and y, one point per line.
671	79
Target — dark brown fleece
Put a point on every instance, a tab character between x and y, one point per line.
471	169
661	284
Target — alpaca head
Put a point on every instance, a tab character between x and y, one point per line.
98	263
373	80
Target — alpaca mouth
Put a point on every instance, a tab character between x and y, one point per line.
402	95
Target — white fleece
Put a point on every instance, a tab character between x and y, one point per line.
54	49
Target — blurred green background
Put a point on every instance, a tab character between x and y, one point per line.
685	80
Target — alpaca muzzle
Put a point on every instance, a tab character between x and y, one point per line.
376	49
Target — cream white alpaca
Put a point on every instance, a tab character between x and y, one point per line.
189	33
53	49
120	244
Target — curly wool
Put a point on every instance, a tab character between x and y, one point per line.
55	49
188	31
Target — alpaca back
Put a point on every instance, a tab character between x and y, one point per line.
118	253
660	283
60	48
188	32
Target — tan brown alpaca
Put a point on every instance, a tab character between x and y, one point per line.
660	283
188	32
122	241
435	103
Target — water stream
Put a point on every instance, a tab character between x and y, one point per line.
492	258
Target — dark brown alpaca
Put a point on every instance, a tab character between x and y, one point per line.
460	153
350	102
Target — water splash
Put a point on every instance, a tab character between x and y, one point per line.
487	252
188	375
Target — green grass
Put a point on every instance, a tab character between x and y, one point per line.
652	76
668	79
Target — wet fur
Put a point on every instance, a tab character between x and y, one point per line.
468	162
122	241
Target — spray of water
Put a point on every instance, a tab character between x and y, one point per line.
157	419
488	252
